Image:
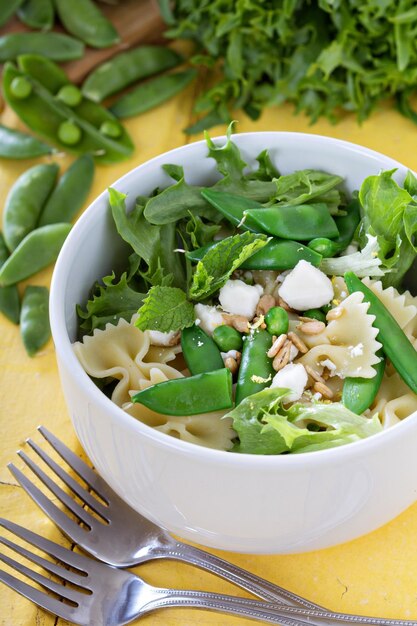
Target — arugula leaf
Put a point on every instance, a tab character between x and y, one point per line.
305	185
165	309
110	302
227	156
266	170
410	184
199	232
221	260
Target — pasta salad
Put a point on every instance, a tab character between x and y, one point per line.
263	314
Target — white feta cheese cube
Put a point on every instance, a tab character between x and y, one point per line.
209	317
163	339
306	287
294	377
238	298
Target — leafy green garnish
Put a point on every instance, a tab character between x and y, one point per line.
264	426
165	309
364	262
309	185
221	260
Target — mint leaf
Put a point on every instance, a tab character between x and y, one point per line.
221	260
165	309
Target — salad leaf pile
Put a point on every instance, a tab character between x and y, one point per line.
324	57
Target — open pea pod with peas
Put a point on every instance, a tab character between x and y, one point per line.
50	105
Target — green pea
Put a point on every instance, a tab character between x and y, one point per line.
20	88
69	95
277	321
315	314
69	133
34	319
110	129
227	338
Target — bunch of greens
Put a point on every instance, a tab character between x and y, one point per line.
324	57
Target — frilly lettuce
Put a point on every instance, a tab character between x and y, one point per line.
264	426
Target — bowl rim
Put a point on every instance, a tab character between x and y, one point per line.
64	351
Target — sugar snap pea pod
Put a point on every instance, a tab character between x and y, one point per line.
152	93
7	9
17	145
56	46
37	14
280	254
9	296
359	393
233	207
300	222
255	372
126	68
70	193
200	352
37	250
202	393
46	114
83	19
25	201
395	343
34	319
347	225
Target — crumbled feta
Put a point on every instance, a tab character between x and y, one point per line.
209	317
162	339
356	350
238	298
294	377
329	364
197	321
230	354
306	287
317	396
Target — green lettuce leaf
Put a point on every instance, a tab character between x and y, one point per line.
307	185
165	309
221	260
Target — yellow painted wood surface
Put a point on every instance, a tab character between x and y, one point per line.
374	575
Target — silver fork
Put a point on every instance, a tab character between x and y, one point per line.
102	595
126	538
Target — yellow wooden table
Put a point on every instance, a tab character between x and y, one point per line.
374	575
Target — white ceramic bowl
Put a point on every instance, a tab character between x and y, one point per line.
245	503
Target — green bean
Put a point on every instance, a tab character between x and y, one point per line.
200	352
70	193
152	93
83	19
359	393
55	46
300	222
9	296
37	250
233	207
395	343
37	14
17	145
45	114
34	319
7	9
202	393
126	68
227	338
277	321
255	371
25	201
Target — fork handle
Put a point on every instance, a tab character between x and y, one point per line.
234	574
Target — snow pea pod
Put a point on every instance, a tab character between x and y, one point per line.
17	145
126	68
301	222
256	370
395	343
34	319
25	201
202	393
36	251
37	14
83	19
359	393
347	225
46	114
7	9
9	296
56	46
70	193
152	93
233	207
200	352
